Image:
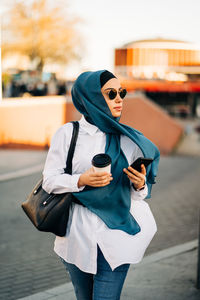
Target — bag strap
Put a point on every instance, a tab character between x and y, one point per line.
70	155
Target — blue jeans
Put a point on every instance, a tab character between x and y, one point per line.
104	285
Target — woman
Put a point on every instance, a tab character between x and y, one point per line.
115	225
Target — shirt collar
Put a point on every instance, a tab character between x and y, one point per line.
89	128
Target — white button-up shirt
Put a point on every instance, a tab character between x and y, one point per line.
85	229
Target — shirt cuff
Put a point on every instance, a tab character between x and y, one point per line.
75	183
139	195
62	183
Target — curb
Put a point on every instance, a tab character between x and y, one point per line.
21	173
152	258
172	251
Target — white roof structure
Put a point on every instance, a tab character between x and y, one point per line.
162	43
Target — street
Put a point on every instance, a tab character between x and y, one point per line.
27	261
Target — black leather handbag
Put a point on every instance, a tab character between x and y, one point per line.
50	212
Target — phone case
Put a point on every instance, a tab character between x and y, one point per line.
139	161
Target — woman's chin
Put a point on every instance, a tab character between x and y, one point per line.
116	114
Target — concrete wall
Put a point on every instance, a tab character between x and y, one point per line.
147	117
31	122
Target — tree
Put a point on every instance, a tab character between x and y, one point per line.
41	32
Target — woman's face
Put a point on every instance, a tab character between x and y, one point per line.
115	105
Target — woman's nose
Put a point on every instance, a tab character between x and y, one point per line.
118	99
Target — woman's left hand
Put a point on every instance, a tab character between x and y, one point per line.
137	178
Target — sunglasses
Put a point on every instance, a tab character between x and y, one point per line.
112	94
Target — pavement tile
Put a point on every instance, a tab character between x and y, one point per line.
27	253
39	296
62	289
66	297
169	276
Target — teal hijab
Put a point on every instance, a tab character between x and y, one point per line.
112	202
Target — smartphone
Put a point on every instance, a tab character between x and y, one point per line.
139	161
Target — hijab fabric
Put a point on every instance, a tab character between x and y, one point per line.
112	202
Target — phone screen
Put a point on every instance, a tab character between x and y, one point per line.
139	161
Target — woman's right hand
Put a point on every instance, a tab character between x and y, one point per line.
95	179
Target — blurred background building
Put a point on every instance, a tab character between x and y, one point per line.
164	59
167	71
42	39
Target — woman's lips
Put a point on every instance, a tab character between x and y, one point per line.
119	108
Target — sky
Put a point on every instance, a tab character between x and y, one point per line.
110	23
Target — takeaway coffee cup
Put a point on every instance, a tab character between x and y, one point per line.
102	163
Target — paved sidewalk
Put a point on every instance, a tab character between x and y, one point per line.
168	274
27	269
190	143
